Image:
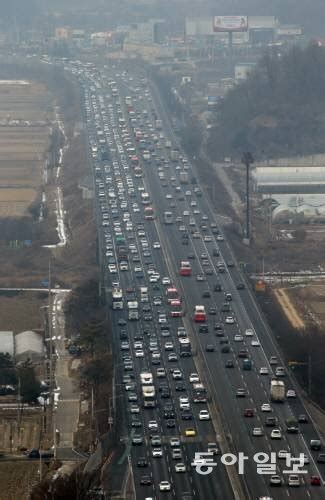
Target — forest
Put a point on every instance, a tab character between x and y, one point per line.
278	111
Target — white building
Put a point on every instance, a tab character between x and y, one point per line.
29	345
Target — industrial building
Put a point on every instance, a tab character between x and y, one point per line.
7	345
297	192
29	345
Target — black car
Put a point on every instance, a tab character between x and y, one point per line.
146	481
136	423
171	423
218	287
225	349
240	286
212	311
271	421
218	326
142	462
303	419
206	294
180	387
229	363
203	328
186	415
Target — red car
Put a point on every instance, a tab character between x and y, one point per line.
249	412
315	481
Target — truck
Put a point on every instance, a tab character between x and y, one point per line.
168	144
174	155
117	298
277	391
149	396
146	155
183	177
144	297
158	124
133	308
185	348
122	253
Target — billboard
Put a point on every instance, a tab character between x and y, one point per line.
230	23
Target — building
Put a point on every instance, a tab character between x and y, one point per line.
29	345
152	31
7	345
63	33
242	71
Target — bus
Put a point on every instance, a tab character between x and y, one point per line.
199	314
149	213
168	218
176	308
185	269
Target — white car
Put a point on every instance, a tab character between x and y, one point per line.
255	343
194	378
164	486
153	278
276	434
264	370
162	318
291	393
238	338
275	480
266	407
156	245
204	415
174	442
207	238
293	480
157	452
112	268
153	425
229	320
139	353
169	346
257	431
180	467
220	238
165	280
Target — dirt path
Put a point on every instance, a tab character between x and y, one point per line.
288	308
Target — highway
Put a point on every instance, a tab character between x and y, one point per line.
117	107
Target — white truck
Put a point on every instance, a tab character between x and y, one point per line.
117	298
183	177
168	144
277	391
144	297
149	396
133	308
174	155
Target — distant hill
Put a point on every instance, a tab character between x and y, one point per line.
278	111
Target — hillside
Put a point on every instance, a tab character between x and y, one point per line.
278	111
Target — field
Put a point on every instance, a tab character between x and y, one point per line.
17	479
24	141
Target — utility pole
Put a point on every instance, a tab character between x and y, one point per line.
247	160
49	309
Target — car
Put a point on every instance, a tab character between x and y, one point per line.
220	237
157	452
200	277
293	480
134	408
176	453
161	373
204	415
238	338
279	371
177	374
121	322
249	332
190	432
240	393
242	353
266	407
180	467
186	414
229	363
275	480
156	245
171	423
255	343
172	356
206	294
169	346
271	421
315	481
209	348
165	280
321	458
315	444
139	353
194	378
203	328
264	370
212	311
229	320
153	425
142	462
257	431
291	393
145	481
174	442
249	412
273	360
276	434
164	486
155	440
132	397
240	286
137	439
302	419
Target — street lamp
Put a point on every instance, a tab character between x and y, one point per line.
247	160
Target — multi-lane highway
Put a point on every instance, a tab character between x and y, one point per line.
140	173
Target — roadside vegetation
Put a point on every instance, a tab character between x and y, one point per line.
278	111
